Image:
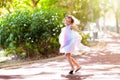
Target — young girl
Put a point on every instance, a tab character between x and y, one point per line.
69	40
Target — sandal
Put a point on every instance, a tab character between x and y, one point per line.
71	72
77	69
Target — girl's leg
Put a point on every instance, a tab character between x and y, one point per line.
75	63
68	56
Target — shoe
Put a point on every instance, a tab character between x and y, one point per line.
77	69
71	72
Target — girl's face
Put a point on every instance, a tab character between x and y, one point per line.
68	21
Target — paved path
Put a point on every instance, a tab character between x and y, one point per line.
101	64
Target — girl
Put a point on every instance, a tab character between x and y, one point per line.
69	40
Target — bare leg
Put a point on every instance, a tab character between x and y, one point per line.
68	56
75	63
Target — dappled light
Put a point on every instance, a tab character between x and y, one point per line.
29	39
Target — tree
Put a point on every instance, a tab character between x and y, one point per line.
84	10
12	5
116	10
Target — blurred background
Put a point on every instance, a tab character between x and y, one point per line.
30	28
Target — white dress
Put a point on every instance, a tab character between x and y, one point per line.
70	41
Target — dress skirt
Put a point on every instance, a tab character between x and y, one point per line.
70	41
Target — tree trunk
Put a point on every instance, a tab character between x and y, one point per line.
117	23
71	7
98	24
35	3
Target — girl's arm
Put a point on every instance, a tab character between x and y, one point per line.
77	30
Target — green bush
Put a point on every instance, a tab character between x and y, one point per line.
85	39
32	32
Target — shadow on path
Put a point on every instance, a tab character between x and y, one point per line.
76	76
5	77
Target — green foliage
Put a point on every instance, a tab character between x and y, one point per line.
30	33
84	10
32	30
85	39
48	4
